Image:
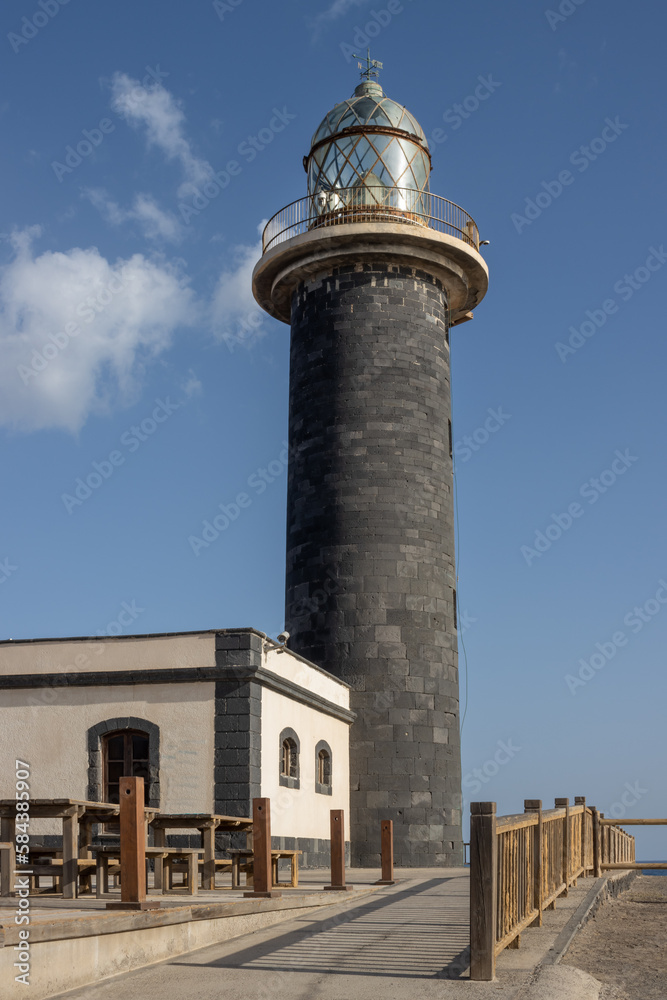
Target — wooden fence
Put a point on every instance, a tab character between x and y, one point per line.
519	865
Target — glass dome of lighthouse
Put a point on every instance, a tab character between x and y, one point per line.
369	152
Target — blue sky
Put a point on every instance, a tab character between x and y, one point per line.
131	350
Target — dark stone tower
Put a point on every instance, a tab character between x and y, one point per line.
371	270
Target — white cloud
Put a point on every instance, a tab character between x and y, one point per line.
236	318
77	331
338	8
155	110
192	385
154	222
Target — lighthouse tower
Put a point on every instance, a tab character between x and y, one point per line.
371	270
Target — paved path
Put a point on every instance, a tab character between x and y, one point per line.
396	943
405	942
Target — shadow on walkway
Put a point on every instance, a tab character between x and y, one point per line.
421	931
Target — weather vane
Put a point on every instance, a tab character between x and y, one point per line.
372	65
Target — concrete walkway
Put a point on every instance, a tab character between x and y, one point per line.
405	942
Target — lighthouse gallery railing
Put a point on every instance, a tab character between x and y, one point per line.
344	206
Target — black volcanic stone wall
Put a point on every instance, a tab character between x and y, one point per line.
370	544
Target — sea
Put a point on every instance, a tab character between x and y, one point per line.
654	871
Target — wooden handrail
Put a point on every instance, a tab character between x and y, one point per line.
521	864
634	822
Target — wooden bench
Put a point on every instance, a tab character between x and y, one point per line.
242	861
47	864
169	859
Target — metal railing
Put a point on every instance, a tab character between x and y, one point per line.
370	204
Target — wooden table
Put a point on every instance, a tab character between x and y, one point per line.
72	812
243	860
207	824
164	857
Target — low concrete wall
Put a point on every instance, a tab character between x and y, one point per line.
69	952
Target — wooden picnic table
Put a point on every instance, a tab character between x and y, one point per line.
165	858
207	824
78	816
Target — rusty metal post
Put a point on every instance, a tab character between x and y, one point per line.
387	852
261	850
132	848
337	818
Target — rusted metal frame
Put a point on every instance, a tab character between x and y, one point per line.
346	162
395	133
408	167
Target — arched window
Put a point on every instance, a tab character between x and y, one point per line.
125	754
289	759
124	747
323	768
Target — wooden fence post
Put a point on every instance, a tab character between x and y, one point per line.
535	805
387	852
597	845
337	822
483	890
132	848
580	800
565	804
262	875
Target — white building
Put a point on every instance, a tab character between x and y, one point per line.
209	719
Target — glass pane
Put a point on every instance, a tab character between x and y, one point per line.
380	117
335	116
348	120
140	747
347	176
140	769
113	794
379	141
411	124
420	169
365	107
116	747
397	158
115	770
